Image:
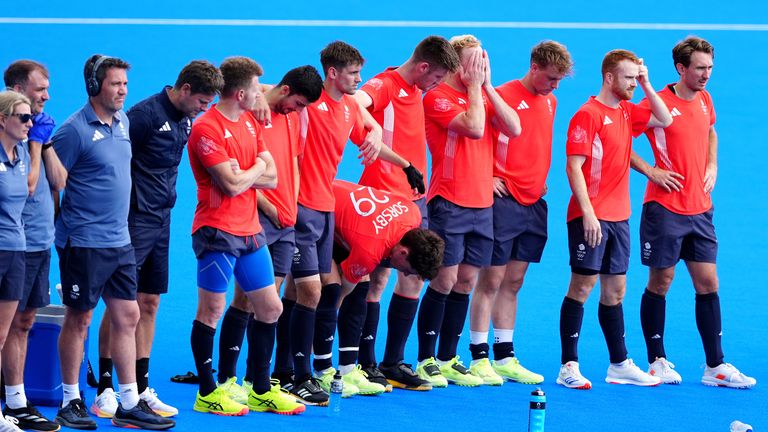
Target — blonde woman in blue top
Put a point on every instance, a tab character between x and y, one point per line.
15	121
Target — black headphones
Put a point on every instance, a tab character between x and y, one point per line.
92	84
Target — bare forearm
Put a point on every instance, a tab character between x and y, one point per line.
389	155
712	155
507	119
34	166
54	170
639	164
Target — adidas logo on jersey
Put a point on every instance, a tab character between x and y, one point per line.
430	333
402	93
462	101
299	354
234	348
607	121
227	134
656	336
323	107
575	335
675	112
165	127
523	105
369	337
97	136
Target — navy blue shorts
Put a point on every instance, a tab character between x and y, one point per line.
611	256
87	274
150	244
519	231
667	237
314	242
37	288
208	239
12	271
282	245
421	203
467	232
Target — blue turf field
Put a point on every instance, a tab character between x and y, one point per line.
157	53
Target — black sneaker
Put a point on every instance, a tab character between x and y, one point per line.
310	393
29	418
75	416
402	376
375	376
141	417
285	378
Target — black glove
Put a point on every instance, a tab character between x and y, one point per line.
415	178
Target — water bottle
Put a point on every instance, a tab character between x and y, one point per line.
536	411
737	426
337	388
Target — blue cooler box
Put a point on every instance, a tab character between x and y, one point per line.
42	372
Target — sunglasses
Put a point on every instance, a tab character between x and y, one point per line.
24	117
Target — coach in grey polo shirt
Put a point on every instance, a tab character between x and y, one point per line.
96	258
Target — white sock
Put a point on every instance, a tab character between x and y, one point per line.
502	335
15	397
477	338
622	364
345	369
504	361
71	392
129	395
441	363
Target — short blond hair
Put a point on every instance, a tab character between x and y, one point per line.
464	41
550	53
9	100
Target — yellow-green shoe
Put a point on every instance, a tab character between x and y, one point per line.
483	370
234	390
429	371
326	377
275	400
219	403
455	372
357	378
514	371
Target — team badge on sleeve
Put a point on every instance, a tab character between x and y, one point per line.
579	135
443	105
375	83
206	146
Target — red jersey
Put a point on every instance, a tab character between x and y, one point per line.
369	223
331	124
523	162
397	108
604	135
683	147
216	139
282	138
462	168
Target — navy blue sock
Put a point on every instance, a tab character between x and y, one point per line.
261	341
709	322
502	350
230	341
612	322
302	331
652	316
352	315
368	335
430	319
400	316
201	340
456	308
571	316
283	359
479	351
142	374
325	326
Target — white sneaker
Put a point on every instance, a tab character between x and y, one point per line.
159	407
664	369
8	424
726	375
571	377
105	404
627	373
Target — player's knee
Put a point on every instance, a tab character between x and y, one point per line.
23	321
660	283
209	313
76	322
707	285
464	285
148	304
126	319
513	284
308	297
269	311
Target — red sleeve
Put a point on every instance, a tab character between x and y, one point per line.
581	134
358	133
377	90
204	141
639	116
441	109
359	263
